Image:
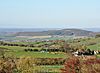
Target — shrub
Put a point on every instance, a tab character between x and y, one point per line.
98	35
74	65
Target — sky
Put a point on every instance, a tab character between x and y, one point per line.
49	13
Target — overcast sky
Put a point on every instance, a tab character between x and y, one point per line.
49	13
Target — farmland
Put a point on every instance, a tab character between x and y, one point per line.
49	36
18	51
48	56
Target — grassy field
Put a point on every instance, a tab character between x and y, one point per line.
94	47
86	41
35	54
19	51
98	56
82	41
16	51
39	43
50	68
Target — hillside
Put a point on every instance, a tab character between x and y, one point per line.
65	32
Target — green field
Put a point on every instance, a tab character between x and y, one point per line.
94	47
98	56
35	54
50	68
86	41
17	51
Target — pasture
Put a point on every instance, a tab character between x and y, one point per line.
16	51
19	51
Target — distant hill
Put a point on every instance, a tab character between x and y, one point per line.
14	30
65	32
92	29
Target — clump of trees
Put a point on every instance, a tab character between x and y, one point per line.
98	35
72	65
7	65
49	61
20	65
30	50
75	65
27	64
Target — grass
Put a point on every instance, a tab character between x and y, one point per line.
94	47
98	56
50	68
18	48
35	54
87	41
34	43
19	51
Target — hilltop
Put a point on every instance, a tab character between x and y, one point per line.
62	32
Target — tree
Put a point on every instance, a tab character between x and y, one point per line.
25	65
76	65
98	35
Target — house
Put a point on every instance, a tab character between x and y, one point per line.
87	52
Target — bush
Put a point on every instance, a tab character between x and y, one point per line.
35	50
74	65
98	35
49	61
21	65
